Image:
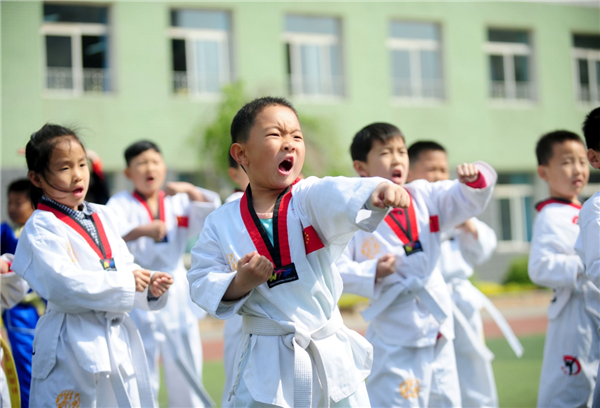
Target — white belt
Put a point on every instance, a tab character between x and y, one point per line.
409	288
299	341
136	347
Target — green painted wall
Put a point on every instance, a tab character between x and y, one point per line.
142	105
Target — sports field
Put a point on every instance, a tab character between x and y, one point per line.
517	379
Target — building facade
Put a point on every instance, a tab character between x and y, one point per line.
484	79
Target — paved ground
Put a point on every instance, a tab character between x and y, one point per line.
525	312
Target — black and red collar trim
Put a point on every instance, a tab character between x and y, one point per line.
161	205
411	232
554	200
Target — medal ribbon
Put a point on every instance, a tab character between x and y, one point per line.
411	232
277	252
161	205
103	250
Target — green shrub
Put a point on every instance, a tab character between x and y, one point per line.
517	272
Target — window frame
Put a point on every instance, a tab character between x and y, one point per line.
516	194
190	36
592	56
509	50
294	41
75	31
413	47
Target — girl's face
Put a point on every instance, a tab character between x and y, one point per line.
68	177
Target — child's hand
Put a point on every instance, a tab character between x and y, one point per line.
159	283
252	270
386	265
390	195
469	227
142	278
467	173
156	230
176	187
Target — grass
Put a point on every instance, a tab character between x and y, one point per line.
517	379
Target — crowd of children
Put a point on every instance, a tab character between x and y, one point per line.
273	261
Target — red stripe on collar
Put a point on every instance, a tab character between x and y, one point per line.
539	206
161	205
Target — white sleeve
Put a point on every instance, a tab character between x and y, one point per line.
12	287
210	275
199	210
477	251
549	265
42	259
589	243
358	277
457	202
121	208
336	208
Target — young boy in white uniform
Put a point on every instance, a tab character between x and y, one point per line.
587	245
395	267
156	225
232	331
270	257
470	243
571	350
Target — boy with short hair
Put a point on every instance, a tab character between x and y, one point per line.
411	326
157	224
587	245
21	319
270	257
470	243
571	349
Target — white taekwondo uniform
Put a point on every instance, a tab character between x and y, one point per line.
87	351
588	248
459	252
172	334
410	312
232	333
571	351
295	350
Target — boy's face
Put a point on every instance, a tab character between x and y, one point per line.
388	160
431	165
147	171
567	172
19	207
273	155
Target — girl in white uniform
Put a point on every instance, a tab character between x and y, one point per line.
157	225
87	351
571	352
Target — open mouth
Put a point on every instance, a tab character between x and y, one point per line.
78	191
150	179
396	174
286	165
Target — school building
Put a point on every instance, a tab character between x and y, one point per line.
485	79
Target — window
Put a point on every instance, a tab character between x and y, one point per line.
416	60
586	57
513	202
200	45
76	46
314	56
509	54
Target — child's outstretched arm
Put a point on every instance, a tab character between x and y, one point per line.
390	195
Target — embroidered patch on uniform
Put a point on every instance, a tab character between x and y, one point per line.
68	399
410	388
434	223
232	262
412	247
312	242
370	247
576	219
283	274
183	222
572	366
108	264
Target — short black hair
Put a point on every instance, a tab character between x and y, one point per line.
417	148
138	148
363	140
544	147
20	186
232	163
38	152
244	119
591	130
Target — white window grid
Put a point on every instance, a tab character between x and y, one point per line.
82	80
510	89
592	94
416	84
328	83
194	80
516	195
